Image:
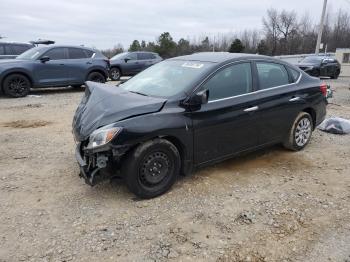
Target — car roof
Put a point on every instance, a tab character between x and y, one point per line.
220	57
15	43
65	46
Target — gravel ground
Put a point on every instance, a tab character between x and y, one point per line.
272	205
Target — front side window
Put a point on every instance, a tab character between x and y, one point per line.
271	75
131	56
231	81
76	53
56	53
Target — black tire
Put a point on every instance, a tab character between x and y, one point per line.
300	133
152	168
16	85
336	74
115	73
96	77
76	86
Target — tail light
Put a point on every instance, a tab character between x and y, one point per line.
323	88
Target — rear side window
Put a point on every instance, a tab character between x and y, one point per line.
295	74
8	50
19	49
271	75
88	53
145	56
2	50
76	53
231	81
56	53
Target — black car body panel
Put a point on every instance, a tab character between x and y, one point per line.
320	66
210	132
103	105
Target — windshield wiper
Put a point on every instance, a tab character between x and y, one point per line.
139	93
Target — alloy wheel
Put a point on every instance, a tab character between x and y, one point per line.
303	132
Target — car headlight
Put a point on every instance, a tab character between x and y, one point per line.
101	137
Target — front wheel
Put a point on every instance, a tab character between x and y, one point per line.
152	168
96	77
16	85
300	133
114	73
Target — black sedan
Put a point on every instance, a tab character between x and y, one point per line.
192	111
319	66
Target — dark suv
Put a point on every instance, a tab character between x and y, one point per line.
51	66
191	111
131	63
320	66
12	50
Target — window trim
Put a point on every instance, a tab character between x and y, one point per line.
257	91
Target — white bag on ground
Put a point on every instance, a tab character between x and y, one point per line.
335	125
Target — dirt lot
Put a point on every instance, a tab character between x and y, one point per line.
272	205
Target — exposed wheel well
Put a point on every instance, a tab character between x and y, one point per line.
312	112
17	73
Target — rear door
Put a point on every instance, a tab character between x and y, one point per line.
54	71
278	100
227	123
78	64
131	64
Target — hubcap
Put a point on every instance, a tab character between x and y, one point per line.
17	85
303	132
154	169
115	74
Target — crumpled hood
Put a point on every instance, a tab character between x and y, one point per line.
105	104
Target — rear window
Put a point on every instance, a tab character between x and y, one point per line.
271	75
19	49
76	53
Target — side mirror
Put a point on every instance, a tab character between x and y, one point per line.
126	59
44	59
198	99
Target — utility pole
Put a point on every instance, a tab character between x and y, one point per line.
320	28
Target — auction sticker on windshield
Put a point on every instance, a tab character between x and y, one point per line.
192	65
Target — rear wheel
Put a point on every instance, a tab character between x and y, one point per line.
96	77
115	73
152	168
300	133
16	85
336	74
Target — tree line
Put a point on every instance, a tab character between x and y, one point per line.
283	32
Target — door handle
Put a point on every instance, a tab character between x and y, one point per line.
251	109
293	99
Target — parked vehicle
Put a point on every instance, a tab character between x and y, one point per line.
131	63
192	111
51	66
320	66
12	50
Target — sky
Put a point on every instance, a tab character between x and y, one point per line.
104	23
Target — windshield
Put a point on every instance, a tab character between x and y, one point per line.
167	78
312	59
30	54
119	56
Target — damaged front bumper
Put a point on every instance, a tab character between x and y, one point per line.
98	166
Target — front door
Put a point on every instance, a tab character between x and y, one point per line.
226	124
54	71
